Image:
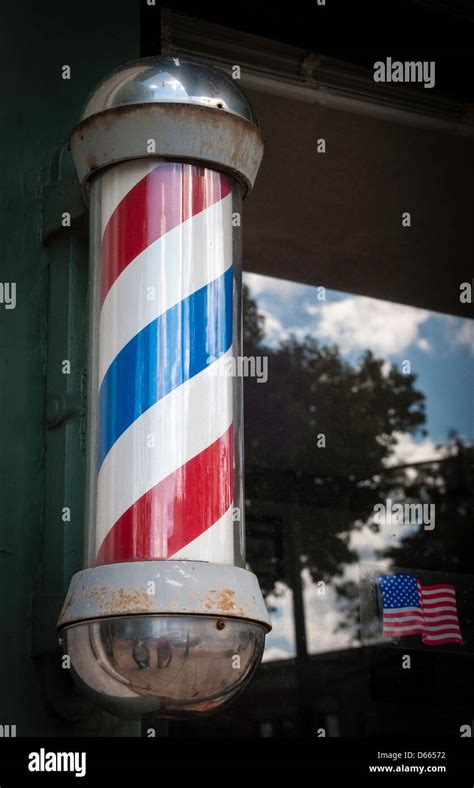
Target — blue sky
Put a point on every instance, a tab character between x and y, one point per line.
439	347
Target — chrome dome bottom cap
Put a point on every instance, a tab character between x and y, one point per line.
169	638
172	666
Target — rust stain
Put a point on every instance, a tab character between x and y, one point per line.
122	600
234	139
221	598
107	117
190	114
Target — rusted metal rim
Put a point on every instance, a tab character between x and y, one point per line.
164	588
172	131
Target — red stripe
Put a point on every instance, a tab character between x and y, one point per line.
176	511
416	613
454	630
442	642
169	195
403	624
452	625
432	613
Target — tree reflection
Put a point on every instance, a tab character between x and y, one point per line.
448	484
318	436
356	411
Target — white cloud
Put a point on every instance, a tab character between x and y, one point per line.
323	615
423	344
273	653
408	450
274	331
465	334
280	642
368	544
270	286
256	283
295	331
272	324
355	323
358	323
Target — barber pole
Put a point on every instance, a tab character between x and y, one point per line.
165	404
165	619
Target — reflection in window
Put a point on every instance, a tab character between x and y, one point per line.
364	402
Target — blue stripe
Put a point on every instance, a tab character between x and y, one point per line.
163	355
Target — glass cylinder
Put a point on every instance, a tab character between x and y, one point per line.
165	475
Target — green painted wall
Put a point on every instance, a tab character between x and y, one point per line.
39	466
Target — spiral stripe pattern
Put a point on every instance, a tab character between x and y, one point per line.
164	400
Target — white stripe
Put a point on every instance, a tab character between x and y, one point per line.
402	610
401	619
434	592
183	424
446	617
118	181
440	608
437	627
172	268
454	635
215	545
435	600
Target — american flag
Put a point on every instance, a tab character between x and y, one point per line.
410	608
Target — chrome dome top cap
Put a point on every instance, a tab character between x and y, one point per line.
176	80
168	108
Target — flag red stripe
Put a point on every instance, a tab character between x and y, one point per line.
403	615
450	638
442	642
424	589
